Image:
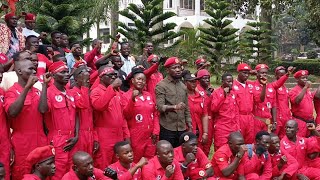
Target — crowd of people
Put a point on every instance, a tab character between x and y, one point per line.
68	116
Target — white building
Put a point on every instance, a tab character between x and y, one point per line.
190	14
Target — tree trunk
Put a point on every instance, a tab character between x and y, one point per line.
114	19
266	16
98	28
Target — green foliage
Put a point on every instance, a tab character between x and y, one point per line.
312	66
219	39
148	24
313	19
312	55
254	44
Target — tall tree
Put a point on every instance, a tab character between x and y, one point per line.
148	24
219	38
253	44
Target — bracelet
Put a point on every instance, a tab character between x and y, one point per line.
185	167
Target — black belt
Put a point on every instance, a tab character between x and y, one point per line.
305	120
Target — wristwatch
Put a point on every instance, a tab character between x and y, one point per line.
238	155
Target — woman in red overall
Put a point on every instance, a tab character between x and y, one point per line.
198	109
142	117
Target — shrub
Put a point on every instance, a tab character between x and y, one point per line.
312	55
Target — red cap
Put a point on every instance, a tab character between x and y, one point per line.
279	68
197	173
30	17
198	61
9	16
171	61
3	58
202	72
300	73
57	67
79	63
107	70
151	57
40	154
261	66
243	67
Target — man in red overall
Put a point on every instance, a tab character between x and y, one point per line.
225	111
244	98
205	89
227	158
88	139
155	77
264	111
21	104
58	104
191	157
256	163
41	163
4	134
284	165
282	102
109	120
302	101
298	146
162	166
125	168
142	117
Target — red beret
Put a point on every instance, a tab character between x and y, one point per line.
30	17
107	70
171	61
3	58
198	61
79	63
9	16
261	66
243	66
151	57
279	68
300	73
40	154
197	173
202	72
57	67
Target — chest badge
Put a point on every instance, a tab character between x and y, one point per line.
58	98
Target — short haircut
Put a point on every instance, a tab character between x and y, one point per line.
260	134
56	57
118	145
54	32
124	44
225	75
16	56
78	71
74	43
100	64
95	41
30	36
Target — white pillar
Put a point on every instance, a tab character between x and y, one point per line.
197	8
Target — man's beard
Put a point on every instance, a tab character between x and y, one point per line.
260	149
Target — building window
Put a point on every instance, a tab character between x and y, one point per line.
131	24
104	34
202	5
187	4
170	5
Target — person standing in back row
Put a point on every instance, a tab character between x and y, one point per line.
172	103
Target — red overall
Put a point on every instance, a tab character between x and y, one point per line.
201	161
226	114
98	175
4	137
299	151
154	170
43	65
206	147
290	168
256	167
283	110
222	158
87	134
123	173
61	113
198	109
244	99
109	122
143	121
27	128
303	111
30	177
316	102
92	57
153	77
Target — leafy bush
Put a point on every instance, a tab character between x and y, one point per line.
311	65
312	55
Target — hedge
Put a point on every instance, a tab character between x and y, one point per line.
311	65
